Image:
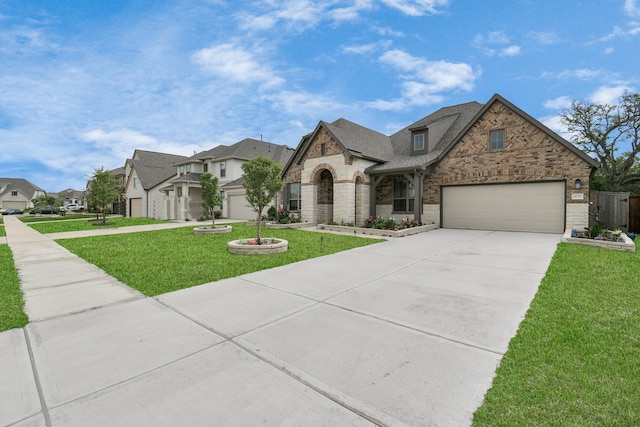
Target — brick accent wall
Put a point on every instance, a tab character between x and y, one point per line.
528	155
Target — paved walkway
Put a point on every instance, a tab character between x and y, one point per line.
406	332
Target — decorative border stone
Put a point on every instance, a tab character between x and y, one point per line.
627	246
218	229
376	232
290	225
237	247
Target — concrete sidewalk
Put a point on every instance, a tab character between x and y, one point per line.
406	332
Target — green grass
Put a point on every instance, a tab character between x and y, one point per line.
80	225
11	302
156	262
575	360
3	232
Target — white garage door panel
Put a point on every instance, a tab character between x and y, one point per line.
537	207
14	205
238	208
136	208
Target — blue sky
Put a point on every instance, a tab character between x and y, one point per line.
84	83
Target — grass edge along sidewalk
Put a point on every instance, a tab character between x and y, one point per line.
11	301
574	360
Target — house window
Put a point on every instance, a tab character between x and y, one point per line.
205	168
323	149
497	139
188	168
418	142
14	193
294	196
135	183
181	170
402	196
179	191
223	169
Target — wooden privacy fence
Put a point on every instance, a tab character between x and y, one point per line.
611	209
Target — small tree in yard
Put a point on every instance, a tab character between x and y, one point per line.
261	182
102	191
210	195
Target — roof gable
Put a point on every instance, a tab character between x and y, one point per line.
554	136
152	168
19	184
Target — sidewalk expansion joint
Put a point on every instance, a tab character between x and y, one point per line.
36	377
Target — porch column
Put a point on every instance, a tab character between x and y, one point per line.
375	180
418	182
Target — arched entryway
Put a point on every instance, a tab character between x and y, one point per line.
324	196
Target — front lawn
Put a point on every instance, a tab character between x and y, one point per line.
80	225
575	360
156	262
11	302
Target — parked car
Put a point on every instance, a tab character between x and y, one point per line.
45	210
72	207
12	211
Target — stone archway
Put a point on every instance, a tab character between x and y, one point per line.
324	196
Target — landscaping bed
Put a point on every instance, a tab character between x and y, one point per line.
378	232
617	242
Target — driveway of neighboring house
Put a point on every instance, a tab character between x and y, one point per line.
406	332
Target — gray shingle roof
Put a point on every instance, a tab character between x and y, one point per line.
18	184
154	168
361	141
402	159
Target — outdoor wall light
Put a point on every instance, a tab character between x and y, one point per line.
578	184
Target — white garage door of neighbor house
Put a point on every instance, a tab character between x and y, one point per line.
238	209
14	205
136	208
535	207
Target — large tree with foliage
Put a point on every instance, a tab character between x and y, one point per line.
102	191
261	182
43	200
210	195
610	133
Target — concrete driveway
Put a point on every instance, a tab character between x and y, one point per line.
406	332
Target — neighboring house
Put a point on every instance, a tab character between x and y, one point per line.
17	193
70	196
146	173
475	166
184	194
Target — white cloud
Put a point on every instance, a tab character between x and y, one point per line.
609	94
631	8
580	74
416	7
632	30
366	48
555	124
509	51
559	103
424	80
236	64
544	37
493	43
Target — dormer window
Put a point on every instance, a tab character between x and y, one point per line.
418	142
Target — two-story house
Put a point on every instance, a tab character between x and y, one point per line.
17	193
184	194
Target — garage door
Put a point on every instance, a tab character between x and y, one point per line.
536	207
14	205
135	208
238	208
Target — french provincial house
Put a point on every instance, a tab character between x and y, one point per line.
477	166
146	172
184	193
17	193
